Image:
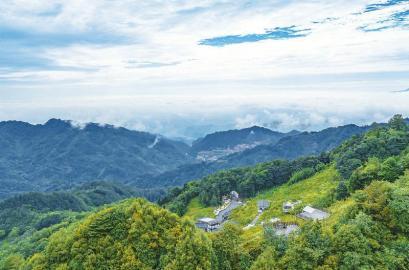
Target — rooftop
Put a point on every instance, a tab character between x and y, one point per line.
313	213
207	220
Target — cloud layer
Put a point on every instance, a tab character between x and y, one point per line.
164	66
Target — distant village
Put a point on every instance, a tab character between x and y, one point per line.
233	201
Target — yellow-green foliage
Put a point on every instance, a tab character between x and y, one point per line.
134	234
337	210
309	191
196	210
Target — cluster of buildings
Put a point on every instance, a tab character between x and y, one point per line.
307	213
230	203
233	201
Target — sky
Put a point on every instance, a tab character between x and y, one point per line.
186	68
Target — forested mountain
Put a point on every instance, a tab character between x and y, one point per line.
302	144
380	142
363	184
251	136
288	147
58	155
35	210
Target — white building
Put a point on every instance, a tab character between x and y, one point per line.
313	214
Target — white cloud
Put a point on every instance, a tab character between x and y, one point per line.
326	78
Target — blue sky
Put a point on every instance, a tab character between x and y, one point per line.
184	68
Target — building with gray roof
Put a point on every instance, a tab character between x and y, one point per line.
313	214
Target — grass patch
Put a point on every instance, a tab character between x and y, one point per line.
196	210
309	191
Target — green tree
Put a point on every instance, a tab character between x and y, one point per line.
397	122
358	242
399	207
308	250
341	191
229	254
391	169
13	262
364	175
194	252
266	261
278	242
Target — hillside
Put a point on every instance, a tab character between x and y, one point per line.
57	155
293	146
219	144
365	230
302	144
363	185
36	210
133	234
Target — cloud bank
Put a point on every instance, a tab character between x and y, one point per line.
183	68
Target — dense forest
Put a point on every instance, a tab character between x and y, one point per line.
369	228
289	147
59	155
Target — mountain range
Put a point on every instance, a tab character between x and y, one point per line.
59	155
360	187
290	146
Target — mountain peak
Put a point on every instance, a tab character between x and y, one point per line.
57	123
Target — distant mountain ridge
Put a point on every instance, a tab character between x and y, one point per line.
223	143
57	155
302	144
232	138
288	147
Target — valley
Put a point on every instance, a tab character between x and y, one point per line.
359	189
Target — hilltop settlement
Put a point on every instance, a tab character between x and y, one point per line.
233	201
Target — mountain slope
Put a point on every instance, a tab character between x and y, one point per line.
302	144
130	235
236	140
367	228
288	147
58	155
368	207
375	145
23	212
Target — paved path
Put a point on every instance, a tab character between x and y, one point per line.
253	223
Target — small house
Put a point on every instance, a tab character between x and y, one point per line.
288	206
208	224
313	214
263	205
